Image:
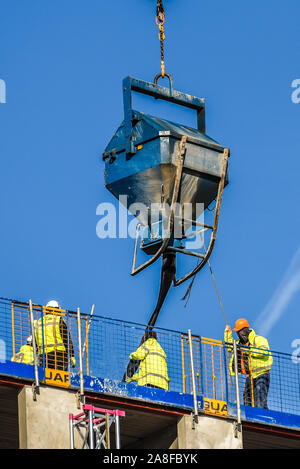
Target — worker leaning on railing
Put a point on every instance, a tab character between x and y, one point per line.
255	362
25	355
53	339
153	371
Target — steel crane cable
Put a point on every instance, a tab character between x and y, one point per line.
219	297
160	21
188	292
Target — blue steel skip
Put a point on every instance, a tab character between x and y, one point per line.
156	162
140	158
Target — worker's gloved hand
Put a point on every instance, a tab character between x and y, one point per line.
133	378
228	334
73	362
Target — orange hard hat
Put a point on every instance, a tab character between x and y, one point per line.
240	324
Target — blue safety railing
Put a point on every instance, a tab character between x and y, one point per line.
109	344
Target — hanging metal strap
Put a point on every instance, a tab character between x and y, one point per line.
87	332
161	250
214	228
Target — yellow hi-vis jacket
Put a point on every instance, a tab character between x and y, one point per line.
259	359
153	365
25	355
52	339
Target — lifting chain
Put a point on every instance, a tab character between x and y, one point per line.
160	21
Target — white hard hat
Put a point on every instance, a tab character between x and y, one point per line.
29	339
52	304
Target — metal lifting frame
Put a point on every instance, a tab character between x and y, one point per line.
158	92
165	245
93	426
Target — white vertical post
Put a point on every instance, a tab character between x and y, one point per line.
91	428
80	356
71	428
237	385
117	431
193	377
107	431
36	371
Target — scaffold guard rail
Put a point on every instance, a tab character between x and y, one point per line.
110	343
93	425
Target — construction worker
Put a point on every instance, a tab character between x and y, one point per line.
153	371
255	362
52	338
25	355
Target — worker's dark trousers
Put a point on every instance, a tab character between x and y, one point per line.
55	360
260	391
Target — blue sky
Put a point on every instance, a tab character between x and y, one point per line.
63	62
